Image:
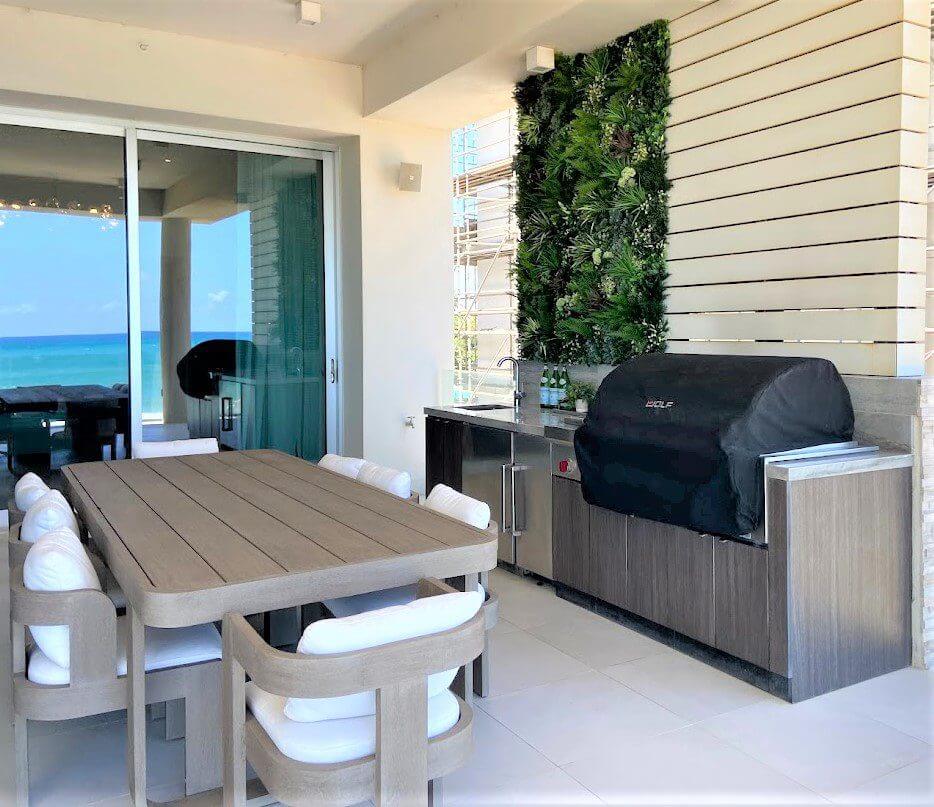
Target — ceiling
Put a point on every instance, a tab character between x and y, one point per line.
352	31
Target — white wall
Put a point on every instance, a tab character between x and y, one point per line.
395	247
408	289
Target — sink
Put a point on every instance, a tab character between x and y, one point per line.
483	407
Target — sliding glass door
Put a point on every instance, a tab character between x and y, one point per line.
161	286
233	312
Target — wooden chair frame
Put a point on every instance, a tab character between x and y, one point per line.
405	762
94	687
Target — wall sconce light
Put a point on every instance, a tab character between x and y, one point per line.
539	59
410	177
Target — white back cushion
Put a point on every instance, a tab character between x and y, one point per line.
443	499
50	512
398	483
175	448
57	562
28	490
345	466
373	629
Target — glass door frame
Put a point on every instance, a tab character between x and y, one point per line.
331	287
132	132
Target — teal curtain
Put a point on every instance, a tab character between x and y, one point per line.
285	405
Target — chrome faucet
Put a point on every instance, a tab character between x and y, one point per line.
517	394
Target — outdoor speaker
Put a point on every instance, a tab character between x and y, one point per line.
410	177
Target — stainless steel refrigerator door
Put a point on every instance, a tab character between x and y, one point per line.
531	475
486	476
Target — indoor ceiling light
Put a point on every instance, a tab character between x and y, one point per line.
308	13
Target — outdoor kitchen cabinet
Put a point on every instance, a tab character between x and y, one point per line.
571	535
822	605
509	471
444	452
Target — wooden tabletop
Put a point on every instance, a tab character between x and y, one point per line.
191	538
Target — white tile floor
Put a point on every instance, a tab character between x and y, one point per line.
584	711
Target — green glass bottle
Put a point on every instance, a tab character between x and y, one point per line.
563	381
543	388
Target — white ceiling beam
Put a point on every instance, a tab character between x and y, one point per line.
446	42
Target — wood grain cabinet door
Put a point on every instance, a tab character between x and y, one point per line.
670	577
570	534
647	569
608	556
741	585
690	583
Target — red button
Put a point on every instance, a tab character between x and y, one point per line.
564	466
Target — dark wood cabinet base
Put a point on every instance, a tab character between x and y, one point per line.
825	604
752	674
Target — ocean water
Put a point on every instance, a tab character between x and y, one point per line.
87	359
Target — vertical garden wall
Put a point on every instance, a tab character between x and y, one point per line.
592	203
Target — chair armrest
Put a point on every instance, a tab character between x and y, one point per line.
327	676
18	549
91	620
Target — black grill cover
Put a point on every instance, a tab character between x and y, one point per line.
678	438
199	367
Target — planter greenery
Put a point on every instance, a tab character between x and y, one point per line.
579	391
592	203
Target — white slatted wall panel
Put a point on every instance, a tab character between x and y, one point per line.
798	151
929	297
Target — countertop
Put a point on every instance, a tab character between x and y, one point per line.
556	425
553	424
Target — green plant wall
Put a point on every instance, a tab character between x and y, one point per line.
592	203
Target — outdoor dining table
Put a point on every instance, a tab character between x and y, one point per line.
192	538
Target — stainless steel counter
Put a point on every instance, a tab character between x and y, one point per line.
548	423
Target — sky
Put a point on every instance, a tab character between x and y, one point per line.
65	274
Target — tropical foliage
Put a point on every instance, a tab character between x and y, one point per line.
592	203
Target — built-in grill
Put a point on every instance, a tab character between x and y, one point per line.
681	438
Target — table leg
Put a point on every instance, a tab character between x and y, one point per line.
465	685
136	707
481	664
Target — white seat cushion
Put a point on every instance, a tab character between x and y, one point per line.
371	601
374	629
448	501
345	466
330	741
50	512
175	448
57	562
28	490
398	483
165	647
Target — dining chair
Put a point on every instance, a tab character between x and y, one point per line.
29	488
76	663
399	483
362	710
175	448
444	500
345	466
50	511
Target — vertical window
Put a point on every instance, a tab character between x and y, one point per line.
485	236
